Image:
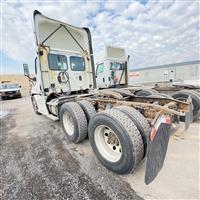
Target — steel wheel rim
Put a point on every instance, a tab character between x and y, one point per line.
68	123
107	143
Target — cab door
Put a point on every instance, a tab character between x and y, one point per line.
103	75
78	73
58	63
117	73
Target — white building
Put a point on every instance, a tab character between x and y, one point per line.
183	72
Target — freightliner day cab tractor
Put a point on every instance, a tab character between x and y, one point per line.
111	74
122	128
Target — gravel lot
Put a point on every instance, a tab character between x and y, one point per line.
38	162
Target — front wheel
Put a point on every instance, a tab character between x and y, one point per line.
116	141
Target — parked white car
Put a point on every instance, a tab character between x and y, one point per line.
10	90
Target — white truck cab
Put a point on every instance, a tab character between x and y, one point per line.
64	62
111	72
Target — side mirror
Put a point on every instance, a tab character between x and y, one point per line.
26	70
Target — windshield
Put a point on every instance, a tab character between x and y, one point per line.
116	66
8	86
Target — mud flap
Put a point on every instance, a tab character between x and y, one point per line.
156	151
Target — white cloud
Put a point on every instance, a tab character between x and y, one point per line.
134	9
17	32
154	33
116	6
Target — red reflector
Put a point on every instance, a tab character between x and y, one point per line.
153	133
168	120
116	78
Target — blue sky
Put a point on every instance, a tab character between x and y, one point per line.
152	32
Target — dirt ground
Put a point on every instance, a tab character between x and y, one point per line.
38	162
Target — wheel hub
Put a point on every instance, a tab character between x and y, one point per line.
111	139
68	123
108	143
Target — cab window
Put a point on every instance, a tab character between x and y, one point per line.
116	66
57	62
100	69
77	63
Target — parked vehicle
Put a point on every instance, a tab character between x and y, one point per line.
10	90
122	128
110	72
112	77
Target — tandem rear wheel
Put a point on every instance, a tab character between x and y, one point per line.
74	117
73	121
116	139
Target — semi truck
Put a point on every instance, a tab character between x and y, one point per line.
123	129
111	74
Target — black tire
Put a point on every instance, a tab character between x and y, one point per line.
123	92
183	95
139	120
4	98
128	135
88	109
165	95
35	107
161	95
195	92
19	96
145	92
156	96
75	112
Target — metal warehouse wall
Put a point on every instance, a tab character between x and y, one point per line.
174	72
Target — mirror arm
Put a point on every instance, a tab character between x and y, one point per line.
30	79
